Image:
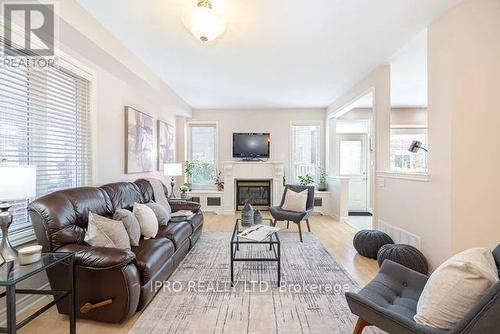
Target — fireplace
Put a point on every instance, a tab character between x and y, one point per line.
257	191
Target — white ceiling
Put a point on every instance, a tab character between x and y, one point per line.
275	53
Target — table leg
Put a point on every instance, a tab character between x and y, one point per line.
11	309
232	262
279	265
72	317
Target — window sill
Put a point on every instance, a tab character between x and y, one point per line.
409	176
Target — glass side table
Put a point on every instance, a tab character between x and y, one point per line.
12	273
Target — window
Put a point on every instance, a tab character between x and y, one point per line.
305	150
202	154
44	121
401	158
351	157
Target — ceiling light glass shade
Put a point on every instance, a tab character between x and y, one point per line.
204	24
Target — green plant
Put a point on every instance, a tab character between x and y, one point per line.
200	171
322	176
184	188
306	180
190	165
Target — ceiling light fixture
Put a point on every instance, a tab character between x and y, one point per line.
204	23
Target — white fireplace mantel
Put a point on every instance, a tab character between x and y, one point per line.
251	170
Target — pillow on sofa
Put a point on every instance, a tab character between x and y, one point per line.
105	232
131	225
455	287
147	220
295	201
161	213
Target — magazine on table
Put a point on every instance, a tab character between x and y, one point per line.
258	232
181	213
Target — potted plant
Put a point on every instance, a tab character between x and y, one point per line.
306	180
188	169
322	186
219	182
184	189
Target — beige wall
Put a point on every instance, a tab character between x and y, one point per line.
456	208
275	121
120	80
464	63
409	116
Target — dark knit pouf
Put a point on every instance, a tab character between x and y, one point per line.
368	242
405	255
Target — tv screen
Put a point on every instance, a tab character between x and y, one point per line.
251	145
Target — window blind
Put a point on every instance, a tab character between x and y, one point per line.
45	121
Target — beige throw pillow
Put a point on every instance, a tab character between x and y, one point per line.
455	287
161	213
295	201
131	225
147	220
105	232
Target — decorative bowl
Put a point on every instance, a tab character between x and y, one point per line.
30	254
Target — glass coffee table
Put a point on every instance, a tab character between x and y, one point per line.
273	242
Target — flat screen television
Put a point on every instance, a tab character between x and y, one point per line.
251	145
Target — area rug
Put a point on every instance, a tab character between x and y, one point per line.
198	297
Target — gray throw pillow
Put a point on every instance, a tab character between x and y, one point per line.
161	213
131	225
105	232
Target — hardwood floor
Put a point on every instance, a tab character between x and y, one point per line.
337	238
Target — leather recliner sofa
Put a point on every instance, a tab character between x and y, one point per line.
111	284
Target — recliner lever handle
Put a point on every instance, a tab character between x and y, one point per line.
87	307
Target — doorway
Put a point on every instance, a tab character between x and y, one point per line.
353	158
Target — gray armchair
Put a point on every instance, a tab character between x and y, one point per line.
389	302
291	216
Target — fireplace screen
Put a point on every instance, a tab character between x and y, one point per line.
257	191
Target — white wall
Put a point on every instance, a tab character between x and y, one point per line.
464	83
120	80
275	121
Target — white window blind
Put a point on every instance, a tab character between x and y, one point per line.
45	121
305	151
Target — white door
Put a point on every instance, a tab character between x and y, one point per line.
352	163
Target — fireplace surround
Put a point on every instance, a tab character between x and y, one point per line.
237	171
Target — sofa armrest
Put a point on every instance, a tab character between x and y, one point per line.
99	257
185	205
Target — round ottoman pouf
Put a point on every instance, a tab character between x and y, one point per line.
405	255
368	242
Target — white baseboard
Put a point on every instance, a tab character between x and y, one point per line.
399	235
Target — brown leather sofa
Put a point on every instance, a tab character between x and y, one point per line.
112	283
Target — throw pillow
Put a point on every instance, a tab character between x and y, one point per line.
162	214
105	232
455	287
131	225
295	201
147	220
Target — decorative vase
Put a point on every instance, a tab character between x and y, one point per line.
257	217
183	195
322	187
247	215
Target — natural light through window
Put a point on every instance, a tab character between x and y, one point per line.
305	151
401	158
202	154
